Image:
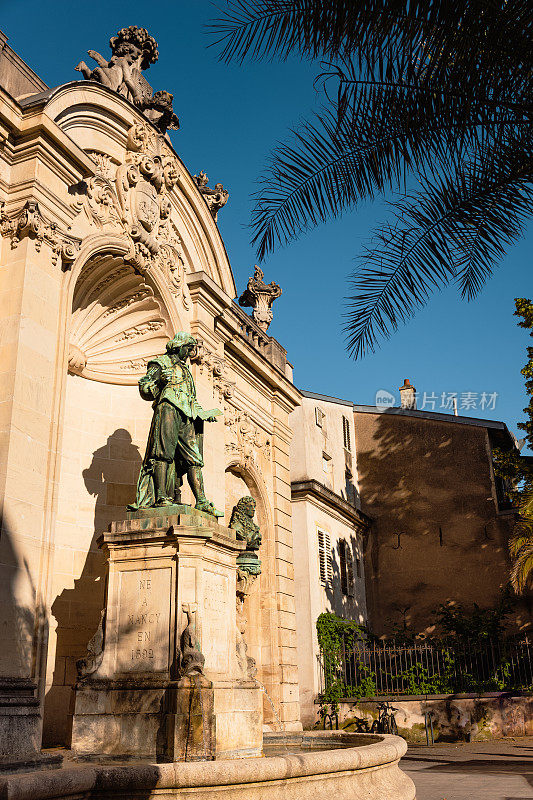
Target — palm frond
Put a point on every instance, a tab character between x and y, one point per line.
277	28
329	164
437	90
322	171
521	547
380	31
426	248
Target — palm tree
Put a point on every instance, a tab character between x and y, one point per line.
431	94
521	548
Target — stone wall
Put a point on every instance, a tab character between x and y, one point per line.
455	717
325	499
83	313
437	532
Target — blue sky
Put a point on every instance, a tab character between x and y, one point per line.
230	118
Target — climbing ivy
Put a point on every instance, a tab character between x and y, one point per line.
336	634
459	628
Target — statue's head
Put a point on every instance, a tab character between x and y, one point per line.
182	344
132	43
246	506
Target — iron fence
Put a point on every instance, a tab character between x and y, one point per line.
386	668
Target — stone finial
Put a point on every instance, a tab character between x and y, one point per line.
215	198
407	395
132	51
260	296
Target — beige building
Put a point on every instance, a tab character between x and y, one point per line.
328	529
108	247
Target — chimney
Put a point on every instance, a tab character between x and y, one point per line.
407	395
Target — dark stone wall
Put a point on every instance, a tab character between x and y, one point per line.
437	534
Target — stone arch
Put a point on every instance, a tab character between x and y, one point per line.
261	606
118	321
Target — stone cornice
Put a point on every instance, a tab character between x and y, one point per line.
300	490
32	123
204	290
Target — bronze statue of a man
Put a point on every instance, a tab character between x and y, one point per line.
174	442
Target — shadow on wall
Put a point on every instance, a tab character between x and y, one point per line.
435	535
345	588
77	611
23	624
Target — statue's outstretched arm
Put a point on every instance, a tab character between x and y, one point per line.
100	60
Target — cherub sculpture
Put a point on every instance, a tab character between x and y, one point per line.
133	50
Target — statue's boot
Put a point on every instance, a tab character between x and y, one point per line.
160	484
196	481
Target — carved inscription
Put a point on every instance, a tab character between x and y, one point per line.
143	644
215	644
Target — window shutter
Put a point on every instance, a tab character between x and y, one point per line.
350	576
319	417
324	557
346	433
342	565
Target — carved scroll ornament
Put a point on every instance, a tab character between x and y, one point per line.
29	222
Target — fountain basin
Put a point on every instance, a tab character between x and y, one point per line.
362	766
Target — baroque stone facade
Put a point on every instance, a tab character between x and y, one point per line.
108	248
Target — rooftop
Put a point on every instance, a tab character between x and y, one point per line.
433	416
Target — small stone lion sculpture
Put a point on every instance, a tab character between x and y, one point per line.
158	109
242	522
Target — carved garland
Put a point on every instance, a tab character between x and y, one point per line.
217	368
30	222
246	440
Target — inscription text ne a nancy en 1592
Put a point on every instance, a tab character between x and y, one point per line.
144	621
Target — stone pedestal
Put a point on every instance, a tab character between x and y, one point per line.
136	703
190	721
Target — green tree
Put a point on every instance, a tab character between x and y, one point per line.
517	471
435	94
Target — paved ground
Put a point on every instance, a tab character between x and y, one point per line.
500	770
